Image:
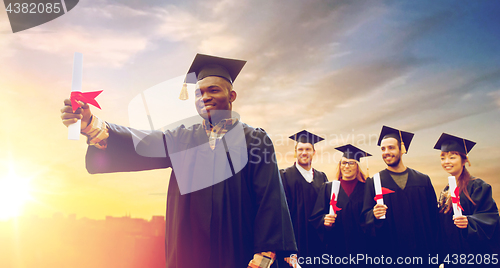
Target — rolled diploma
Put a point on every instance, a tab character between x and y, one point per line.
335	190
378	189
453	185
76	85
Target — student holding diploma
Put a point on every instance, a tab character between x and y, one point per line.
406	224
340	227
226	206
301	183
476	230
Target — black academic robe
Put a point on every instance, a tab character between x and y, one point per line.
411	224
301	197
482	234
219	226
346	235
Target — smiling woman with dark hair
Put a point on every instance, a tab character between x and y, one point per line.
477	230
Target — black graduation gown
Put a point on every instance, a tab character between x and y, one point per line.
346	236
220	226
482	234
411	224
301	197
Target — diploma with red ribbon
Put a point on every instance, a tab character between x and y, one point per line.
86	97
380	191
77	95
384	192
455	196
333	199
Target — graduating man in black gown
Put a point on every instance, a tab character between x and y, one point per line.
411	223
225	199
302	183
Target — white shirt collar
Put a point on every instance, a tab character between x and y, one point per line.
307	174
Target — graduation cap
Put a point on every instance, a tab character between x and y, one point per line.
449	143
305	136
401	136
352	152
206	65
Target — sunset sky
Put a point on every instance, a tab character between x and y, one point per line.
340	69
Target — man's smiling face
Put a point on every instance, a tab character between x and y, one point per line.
213	93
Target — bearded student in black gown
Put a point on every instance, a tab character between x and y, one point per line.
302	183
477	230
342	233
411	224
226	206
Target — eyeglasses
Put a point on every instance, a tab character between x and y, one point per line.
350	163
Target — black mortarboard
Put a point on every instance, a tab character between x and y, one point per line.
449	143
402	136
352	152
206	65
305	136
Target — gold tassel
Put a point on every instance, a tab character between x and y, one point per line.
467	157
403	148
184	93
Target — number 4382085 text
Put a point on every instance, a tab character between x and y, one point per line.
34	8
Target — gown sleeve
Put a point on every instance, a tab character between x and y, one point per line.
369	221
484	221
321	208
288	191
122	155
273	229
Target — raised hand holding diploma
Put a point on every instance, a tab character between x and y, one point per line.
77	95
379	193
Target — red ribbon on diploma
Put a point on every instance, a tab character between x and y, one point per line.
384	192
87	97
456	199
333	203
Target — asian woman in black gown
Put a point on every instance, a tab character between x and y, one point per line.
477	230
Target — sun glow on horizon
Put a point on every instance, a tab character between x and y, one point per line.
14	193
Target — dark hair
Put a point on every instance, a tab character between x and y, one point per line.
398	141
465	177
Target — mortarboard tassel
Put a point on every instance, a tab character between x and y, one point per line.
184	93
403	148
